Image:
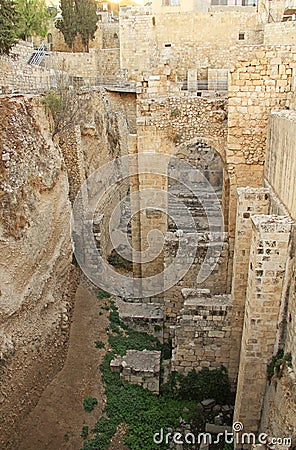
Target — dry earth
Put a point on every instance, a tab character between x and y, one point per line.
57	420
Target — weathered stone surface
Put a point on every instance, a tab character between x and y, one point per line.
139	367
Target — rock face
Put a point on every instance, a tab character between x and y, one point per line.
35	258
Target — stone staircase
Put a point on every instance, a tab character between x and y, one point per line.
200	204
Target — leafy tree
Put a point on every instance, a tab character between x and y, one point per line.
34	18
86	20
68	24
9	20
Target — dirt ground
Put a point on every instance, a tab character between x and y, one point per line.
57	420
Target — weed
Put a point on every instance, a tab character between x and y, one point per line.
277	363
118	261
103	294
84	432
89	403
99	344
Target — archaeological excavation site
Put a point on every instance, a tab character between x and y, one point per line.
147	239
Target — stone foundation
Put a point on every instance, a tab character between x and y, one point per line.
139	367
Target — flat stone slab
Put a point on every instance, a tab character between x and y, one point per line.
152	311
201	297
145	361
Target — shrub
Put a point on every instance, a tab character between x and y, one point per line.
84	432
103	294
99	344
89	403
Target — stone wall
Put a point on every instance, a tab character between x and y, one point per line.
101	137
280	33
110	35
250	201
148	41
36	254
139	367
18	76
197	245
100	65
278	413
271	11
261	81
202	331
269	255
280	169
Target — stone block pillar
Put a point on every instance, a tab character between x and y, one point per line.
268	260
250	201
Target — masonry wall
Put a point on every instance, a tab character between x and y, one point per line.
217	282
101	65
166	126
149	41
17	76
280	33
269	256
250	201
280	169
278	415
261	81
202	332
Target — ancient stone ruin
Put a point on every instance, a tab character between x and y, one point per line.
178	182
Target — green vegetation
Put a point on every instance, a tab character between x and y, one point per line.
175	113
84	432
20	19
143	412
9	22
89	403
118	261
277	364
79	18
34	18
103	294
99	344
68	25
86	21
200	385
64	103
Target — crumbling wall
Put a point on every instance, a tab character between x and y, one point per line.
197	245
202	331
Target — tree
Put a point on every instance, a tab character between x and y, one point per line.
9	20
66	106
78	17
86	20
35	18
68	24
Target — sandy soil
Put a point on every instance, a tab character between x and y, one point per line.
57	420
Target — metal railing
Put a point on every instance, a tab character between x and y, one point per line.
38	56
